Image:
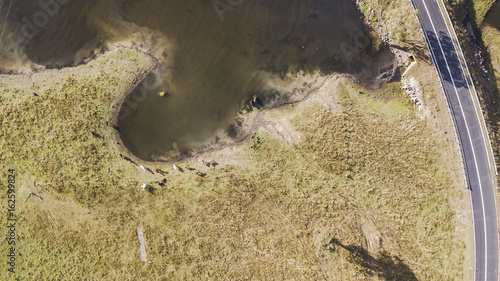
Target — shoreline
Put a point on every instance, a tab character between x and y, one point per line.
250	121
27	79
254	123
120	99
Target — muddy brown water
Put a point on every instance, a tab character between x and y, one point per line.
214	56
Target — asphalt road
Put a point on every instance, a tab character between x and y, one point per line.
474	145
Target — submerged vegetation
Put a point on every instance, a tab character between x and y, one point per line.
360	190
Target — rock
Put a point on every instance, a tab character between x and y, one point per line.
412	90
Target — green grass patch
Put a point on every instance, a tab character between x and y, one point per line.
481	7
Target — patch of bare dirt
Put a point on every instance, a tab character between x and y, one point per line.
280	128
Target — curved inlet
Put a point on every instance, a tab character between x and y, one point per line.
214	57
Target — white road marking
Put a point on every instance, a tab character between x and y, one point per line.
470	140
475	96
478	108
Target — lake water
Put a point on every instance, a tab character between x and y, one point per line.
214	56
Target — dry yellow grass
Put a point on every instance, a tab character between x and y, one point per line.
393	20
365	192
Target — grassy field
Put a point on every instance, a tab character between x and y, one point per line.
386	17
475	9
351	184
481	7
491	37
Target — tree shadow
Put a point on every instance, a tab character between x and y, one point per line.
453	62
383	266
